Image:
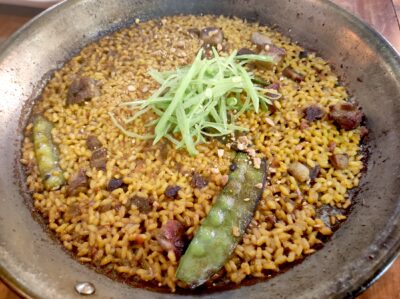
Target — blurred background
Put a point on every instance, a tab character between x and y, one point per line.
382	15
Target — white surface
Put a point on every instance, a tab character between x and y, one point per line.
31	3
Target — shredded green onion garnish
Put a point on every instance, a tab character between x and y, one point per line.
200	100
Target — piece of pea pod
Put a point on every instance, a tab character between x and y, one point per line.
46	154
225	224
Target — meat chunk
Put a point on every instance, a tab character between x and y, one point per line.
274	52
331	146
172	191
93	143
260	39
270	92
198	181
339	161
313	113
346	115
77	183
172	237
245	51
81	90
114	184
267	48
299	171
290	73
303	54
211	36
314	172
194	32
99	159
144	205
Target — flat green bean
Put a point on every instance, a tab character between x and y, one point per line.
225	224
46	154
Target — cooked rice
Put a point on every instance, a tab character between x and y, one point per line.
96	226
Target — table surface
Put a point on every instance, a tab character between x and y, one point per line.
383	15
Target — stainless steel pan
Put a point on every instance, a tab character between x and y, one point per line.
34	263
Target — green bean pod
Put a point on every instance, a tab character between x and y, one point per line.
46	154
225	224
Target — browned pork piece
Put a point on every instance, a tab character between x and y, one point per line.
290	73
99	159
267	48
114	184
211	36
143	204
313	113
314	172
172	191
274	52
78	182
93	143
245	51
81	90
339	161
172	237
347	116
198	181
303	54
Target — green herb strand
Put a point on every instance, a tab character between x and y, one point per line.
203	99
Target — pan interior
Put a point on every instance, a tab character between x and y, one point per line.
34	263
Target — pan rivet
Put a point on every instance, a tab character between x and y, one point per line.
85	288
